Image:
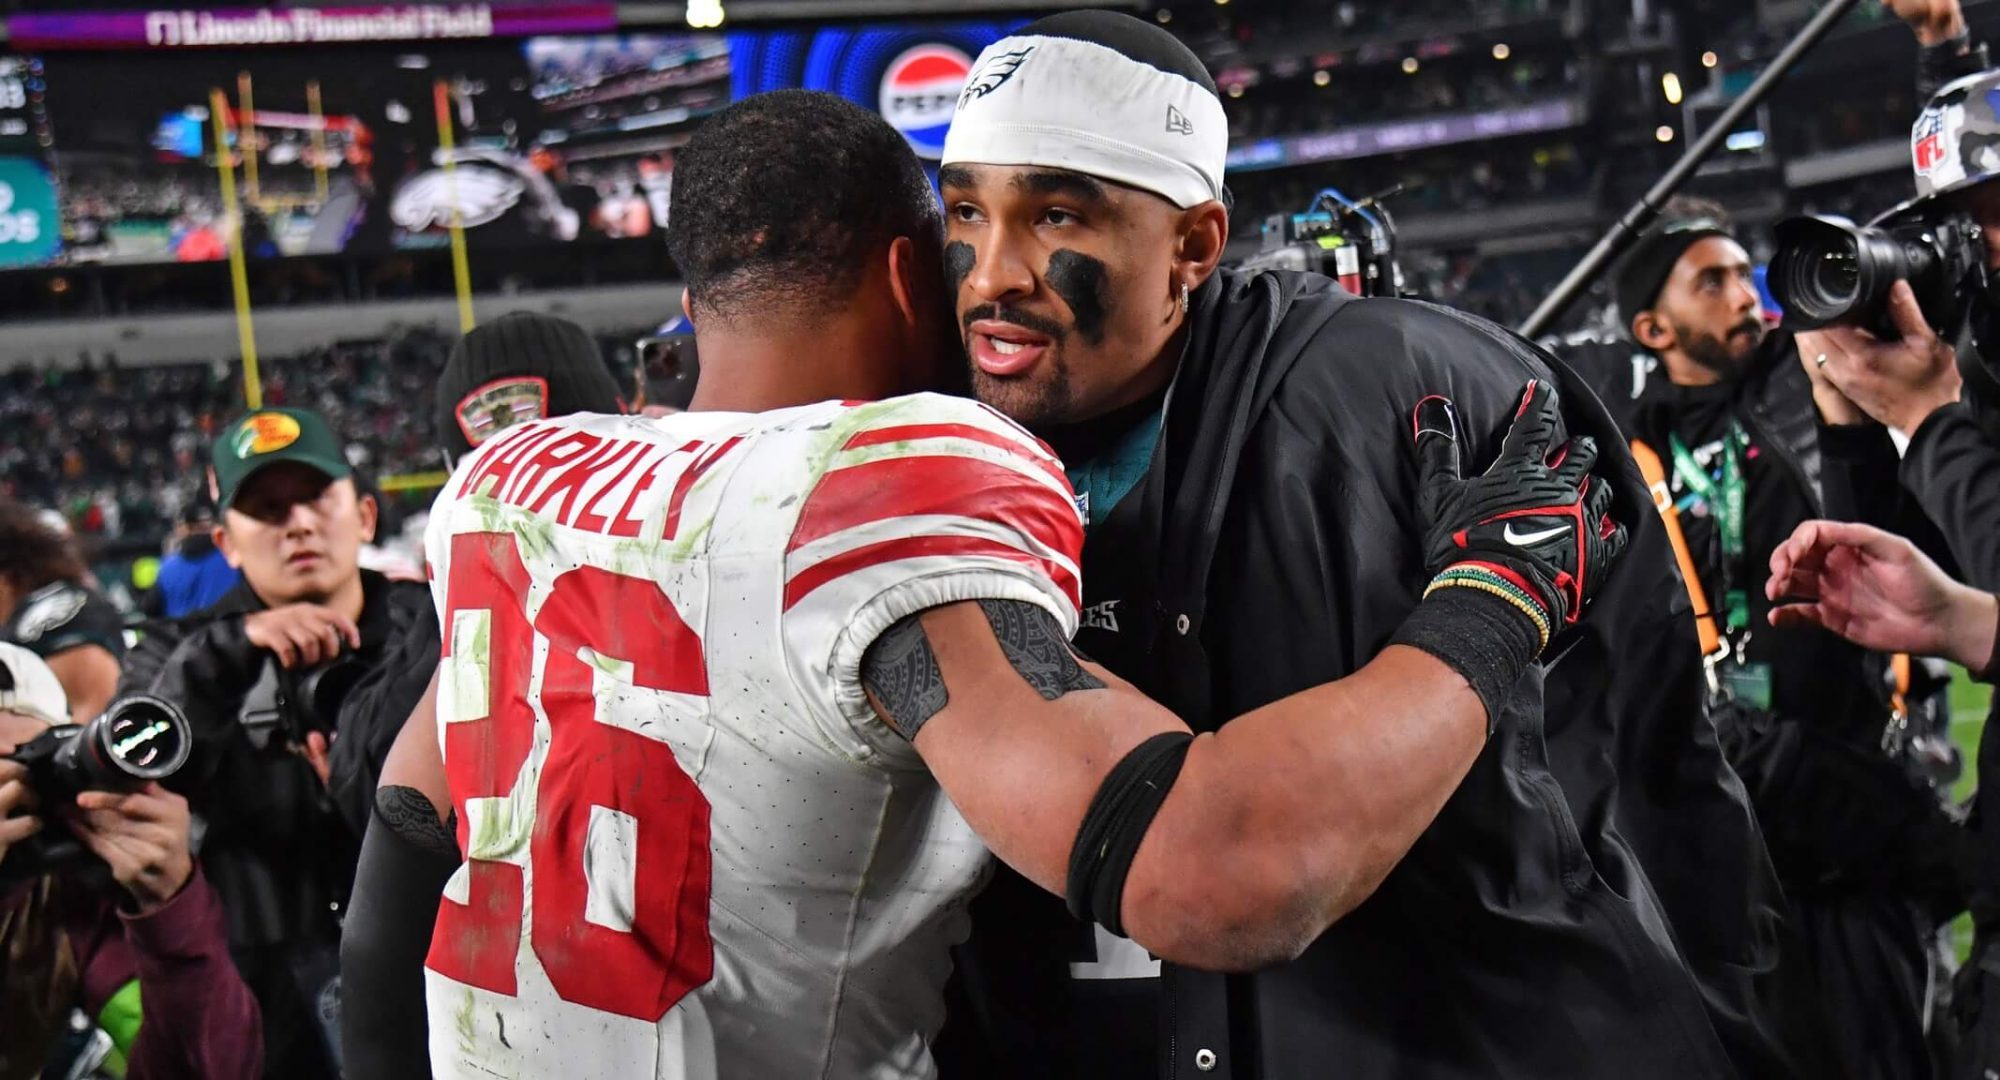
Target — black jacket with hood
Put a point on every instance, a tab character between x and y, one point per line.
273	843
1593	901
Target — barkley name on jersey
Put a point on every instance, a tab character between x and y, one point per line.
692	848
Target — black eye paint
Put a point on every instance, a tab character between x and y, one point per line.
958	260
1082	282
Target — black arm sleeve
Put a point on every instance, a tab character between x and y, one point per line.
1955	474
1947	60
406	858
1859	482
372	715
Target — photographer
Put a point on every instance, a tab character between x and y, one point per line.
148	964
1923	363
1940	386
261	676
47	607
1747	448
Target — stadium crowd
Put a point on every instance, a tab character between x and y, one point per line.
300	817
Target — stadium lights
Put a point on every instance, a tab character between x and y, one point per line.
1322	77
1236	90
705	14
1409	65
1221	3
1670	84
1164	16
1709	59
1664	133
1501	51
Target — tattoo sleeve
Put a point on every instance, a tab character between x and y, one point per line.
901	672
1034	644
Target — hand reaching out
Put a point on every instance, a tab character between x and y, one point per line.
1877	590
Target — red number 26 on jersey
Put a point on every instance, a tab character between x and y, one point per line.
638	954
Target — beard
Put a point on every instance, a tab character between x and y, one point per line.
1726	354
1039	399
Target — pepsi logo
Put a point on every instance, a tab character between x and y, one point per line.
919	91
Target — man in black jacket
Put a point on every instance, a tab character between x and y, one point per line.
260	676
1752	445
1946	398
1233	440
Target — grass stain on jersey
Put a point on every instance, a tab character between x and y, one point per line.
468	1036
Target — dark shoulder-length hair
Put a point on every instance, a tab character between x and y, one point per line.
32	554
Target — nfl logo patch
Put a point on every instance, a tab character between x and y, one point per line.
1927	149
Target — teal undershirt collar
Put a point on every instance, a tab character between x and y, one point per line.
1104	478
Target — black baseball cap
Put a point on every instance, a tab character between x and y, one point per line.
519	367
270	436
1645	269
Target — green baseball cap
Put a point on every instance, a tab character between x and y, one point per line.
269	436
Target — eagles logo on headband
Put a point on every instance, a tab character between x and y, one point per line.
1056	102
500	404
993	69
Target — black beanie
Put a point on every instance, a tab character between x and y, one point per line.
521	366
1645	269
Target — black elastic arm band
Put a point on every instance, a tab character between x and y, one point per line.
1119	815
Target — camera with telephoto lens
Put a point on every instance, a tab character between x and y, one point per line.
138	739
1829	271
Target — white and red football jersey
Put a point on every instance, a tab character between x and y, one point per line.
692	849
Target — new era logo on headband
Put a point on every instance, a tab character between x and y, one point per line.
1177	122
988	76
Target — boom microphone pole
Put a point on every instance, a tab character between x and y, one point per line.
1647	209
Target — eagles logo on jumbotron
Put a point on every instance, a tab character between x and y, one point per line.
919	89
995	71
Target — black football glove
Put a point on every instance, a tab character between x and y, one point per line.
1514	553
1536	519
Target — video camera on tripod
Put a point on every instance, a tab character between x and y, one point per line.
1349	241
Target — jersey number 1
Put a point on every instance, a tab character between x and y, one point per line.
635	958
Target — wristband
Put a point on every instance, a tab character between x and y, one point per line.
1496	581
1480	633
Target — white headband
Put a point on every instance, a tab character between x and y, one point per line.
1066	104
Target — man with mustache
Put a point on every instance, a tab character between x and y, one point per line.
1593	884
1752	443
734	701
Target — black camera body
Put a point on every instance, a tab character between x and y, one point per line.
138	739
284	706
1829	271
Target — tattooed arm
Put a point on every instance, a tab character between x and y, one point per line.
1272	831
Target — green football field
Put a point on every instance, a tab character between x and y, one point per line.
1969	702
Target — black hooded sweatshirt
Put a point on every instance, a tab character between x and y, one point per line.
1593	901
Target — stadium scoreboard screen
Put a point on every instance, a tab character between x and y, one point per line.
563	133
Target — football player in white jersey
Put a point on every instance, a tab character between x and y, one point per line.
734	702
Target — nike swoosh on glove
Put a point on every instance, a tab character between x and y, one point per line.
1534	527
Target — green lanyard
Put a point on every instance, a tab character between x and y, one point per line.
1725	498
